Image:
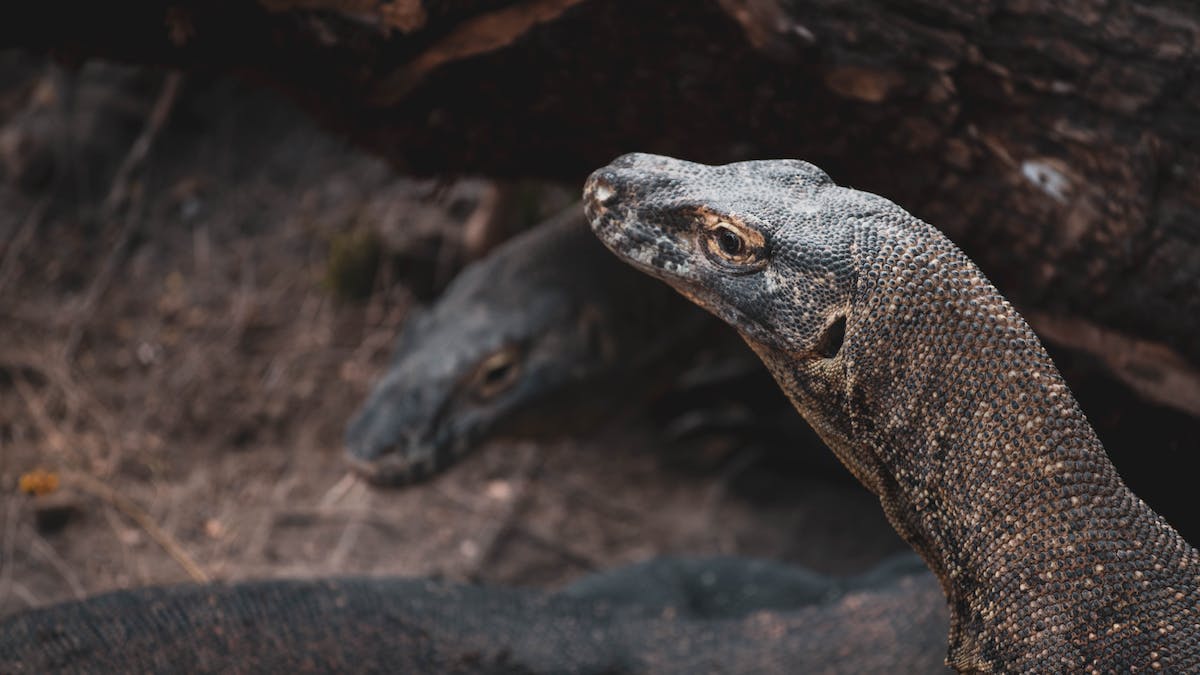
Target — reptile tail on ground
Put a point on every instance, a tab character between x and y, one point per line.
672	615
935	394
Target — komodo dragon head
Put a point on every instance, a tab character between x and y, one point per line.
535	338
763	246
936	394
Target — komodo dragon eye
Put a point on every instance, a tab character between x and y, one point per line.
496	373
731	243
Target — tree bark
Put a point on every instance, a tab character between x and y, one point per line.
1055	140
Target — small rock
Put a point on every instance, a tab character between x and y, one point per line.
214	529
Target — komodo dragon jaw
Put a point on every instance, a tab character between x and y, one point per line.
936	394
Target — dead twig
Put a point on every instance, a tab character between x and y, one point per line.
132	560
20	240
40	416
260	534
345	544
339	490
348	538
308	517
522	497
120	189
551	544
101	281
27	596
135	513
77	397
120	192
548	543
47	553
586	499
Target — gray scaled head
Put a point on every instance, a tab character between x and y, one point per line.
516	338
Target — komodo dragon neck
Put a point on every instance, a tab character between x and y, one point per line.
938	397
984	462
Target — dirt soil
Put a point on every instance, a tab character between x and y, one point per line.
197	288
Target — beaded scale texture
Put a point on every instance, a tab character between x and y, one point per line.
667	616
937	396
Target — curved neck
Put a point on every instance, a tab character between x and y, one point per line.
986	465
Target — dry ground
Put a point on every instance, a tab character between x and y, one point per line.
185	327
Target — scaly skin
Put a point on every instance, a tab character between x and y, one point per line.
548	321
716	615
935	394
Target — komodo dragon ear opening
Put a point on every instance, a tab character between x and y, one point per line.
831	341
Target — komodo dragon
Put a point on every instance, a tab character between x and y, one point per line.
935	394
549	326
716	615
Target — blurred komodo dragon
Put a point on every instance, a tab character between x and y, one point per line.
935	394
548	327
715	615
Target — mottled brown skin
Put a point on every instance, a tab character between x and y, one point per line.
936	394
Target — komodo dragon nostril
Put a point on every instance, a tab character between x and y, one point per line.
600	188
